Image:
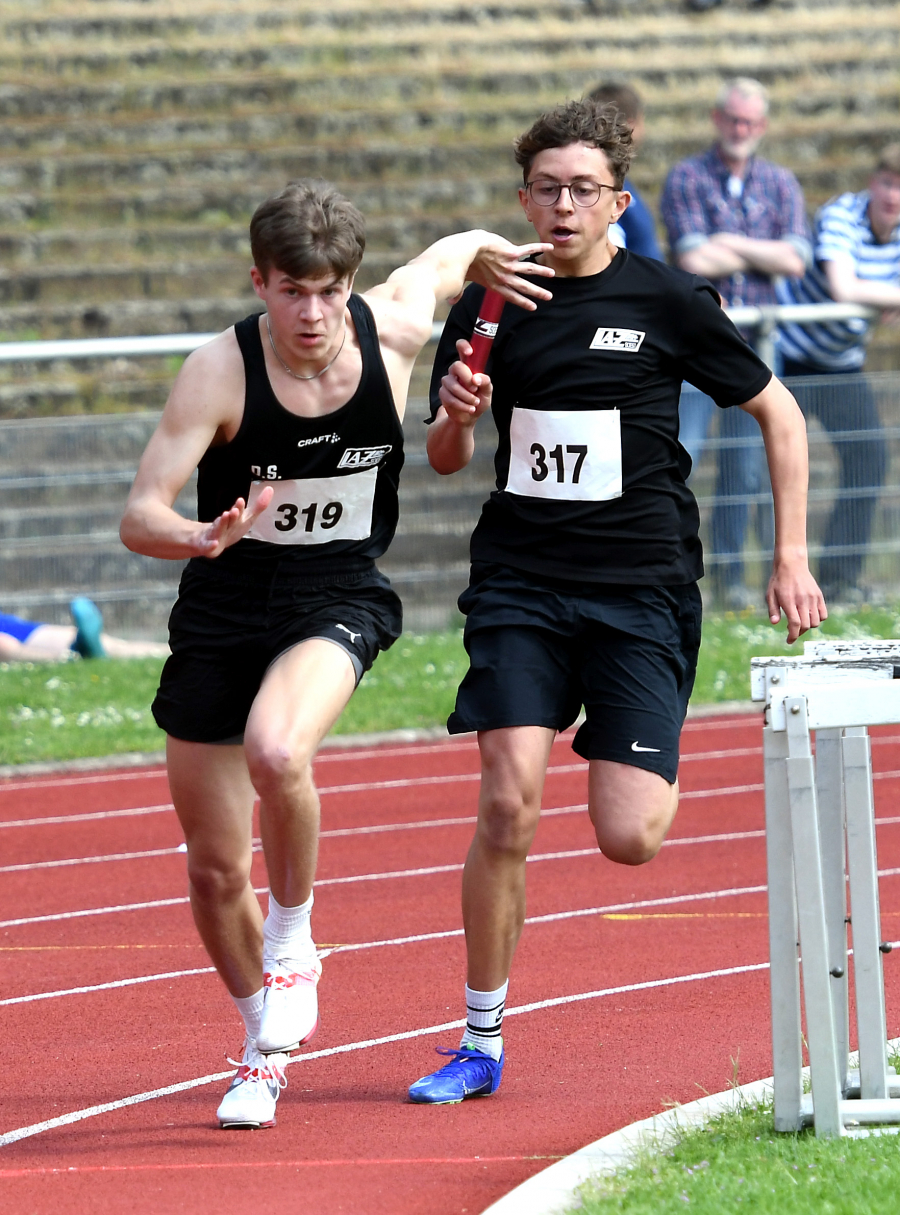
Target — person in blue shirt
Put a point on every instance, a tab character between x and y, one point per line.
636	228
856	247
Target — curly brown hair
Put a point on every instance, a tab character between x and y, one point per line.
307	230
591	122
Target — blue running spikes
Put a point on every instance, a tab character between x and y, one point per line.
470	1074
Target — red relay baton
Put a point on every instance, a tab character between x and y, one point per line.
485	330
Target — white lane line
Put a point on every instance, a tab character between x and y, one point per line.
725	792
447	779
550	918
336	881
93	860
80	991
86	818
732	754
93	1111
136	811
75	915
63	782
359	787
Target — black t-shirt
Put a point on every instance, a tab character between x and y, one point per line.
601	497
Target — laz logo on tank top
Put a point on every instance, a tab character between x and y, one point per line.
629	340
363	457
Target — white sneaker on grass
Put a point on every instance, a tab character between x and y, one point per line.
252	1094
290	1014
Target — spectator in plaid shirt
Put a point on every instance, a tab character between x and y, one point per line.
739	221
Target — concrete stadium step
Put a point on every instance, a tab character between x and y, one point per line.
195	57
132	244
441	83
75	23
505	116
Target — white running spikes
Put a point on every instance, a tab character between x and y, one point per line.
252	1094
290	1014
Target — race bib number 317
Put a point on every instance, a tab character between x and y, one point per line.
315	510
569	456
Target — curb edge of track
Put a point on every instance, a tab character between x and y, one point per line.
156	759
554	1190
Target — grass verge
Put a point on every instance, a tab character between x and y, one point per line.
57	711
736	1162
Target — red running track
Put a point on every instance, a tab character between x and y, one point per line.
632	987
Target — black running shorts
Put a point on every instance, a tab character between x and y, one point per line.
226	629
539	650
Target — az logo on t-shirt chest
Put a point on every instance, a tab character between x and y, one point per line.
628	341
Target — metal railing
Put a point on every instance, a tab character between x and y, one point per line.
762	320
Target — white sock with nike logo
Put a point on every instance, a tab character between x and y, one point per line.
484	1020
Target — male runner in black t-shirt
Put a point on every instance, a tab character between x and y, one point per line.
585	562
293	419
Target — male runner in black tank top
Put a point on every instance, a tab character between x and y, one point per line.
293	418
586	558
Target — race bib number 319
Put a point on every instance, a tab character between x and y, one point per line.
569	456
316	509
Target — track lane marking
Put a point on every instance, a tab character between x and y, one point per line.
93	860
268	1164
417	938
387	752
423	871
400	783
94	1111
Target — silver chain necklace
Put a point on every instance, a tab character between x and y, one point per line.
296	374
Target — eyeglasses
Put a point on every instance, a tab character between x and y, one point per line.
582	193
735	120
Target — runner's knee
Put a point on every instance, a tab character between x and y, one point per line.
276	764
217	878
631	833
506	823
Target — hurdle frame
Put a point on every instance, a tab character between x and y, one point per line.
820	837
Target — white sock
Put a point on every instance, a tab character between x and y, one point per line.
250	1008
484	1020
286	932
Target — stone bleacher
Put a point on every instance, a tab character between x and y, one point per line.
137	136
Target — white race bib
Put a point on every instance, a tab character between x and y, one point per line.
566	455
315	510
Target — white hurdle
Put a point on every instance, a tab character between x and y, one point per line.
820	832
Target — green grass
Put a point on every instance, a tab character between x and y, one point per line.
68	710
738	1163
65	710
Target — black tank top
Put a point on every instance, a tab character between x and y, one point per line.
335	477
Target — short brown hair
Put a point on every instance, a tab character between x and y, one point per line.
307	230
889	159
586	121
622	96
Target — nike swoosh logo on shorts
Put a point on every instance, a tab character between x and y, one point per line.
637	747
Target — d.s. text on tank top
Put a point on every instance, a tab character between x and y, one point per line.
335	476
590	473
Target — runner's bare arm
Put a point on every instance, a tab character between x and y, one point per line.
206	400
791	586
409	296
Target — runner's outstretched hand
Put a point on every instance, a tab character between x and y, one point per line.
232	525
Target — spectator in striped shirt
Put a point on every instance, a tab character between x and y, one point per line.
857	261
739	221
